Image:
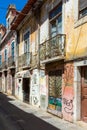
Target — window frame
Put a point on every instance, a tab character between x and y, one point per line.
78	21
27	40
79	11
5	55
12	48
55	18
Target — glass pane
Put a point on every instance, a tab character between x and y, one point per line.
26	46
56	11
53	29
26	36
12	48
59	24
5	55
83	12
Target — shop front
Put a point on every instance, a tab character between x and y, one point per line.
54	78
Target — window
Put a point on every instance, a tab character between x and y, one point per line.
82	8
12	49
26	42
26	47
5	55
8	23
0	59
55	17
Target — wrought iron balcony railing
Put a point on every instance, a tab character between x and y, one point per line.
4	65
34	60
11	61
24	60
53	47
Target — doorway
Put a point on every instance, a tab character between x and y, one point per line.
26	89
84	94
55	90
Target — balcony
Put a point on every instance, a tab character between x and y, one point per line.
11	62
24	60
4	66
34	60
53	49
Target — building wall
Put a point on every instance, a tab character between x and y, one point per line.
31	25
76	46
68	92
35	90
75	30
44	23
18	87
43	90
3	82
74	38
9	82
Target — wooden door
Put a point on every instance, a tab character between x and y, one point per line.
84	94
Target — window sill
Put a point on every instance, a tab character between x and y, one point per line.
80	22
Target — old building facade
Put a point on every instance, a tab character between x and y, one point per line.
27	77
51	62
7	53
63	51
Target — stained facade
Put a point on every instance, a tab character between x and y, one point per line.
50	68
8	53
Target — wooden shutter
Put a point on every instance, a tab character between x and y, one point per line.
82	4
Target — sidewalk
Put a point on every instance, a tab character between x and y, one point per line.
51	119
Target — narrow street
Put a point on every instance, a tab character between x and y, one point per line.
12	118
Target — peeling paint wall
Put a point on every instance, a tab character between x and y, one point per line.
35	90
75	30
44	21
68	92
9	82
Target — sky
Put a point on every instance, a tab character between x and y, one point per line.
4	5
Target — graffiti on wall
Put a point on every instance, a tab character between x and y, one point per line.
68	75
35	88
68	96
42	82
9	79
68	105
35	99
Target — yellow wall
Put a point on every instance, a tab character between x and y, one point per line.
76	37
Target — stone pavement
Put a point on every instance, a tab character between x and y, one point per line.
49	118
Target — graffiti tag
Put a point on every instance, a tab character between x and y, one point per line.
68	106
35	100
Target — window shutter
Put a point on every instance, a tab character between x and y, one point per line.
82	4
